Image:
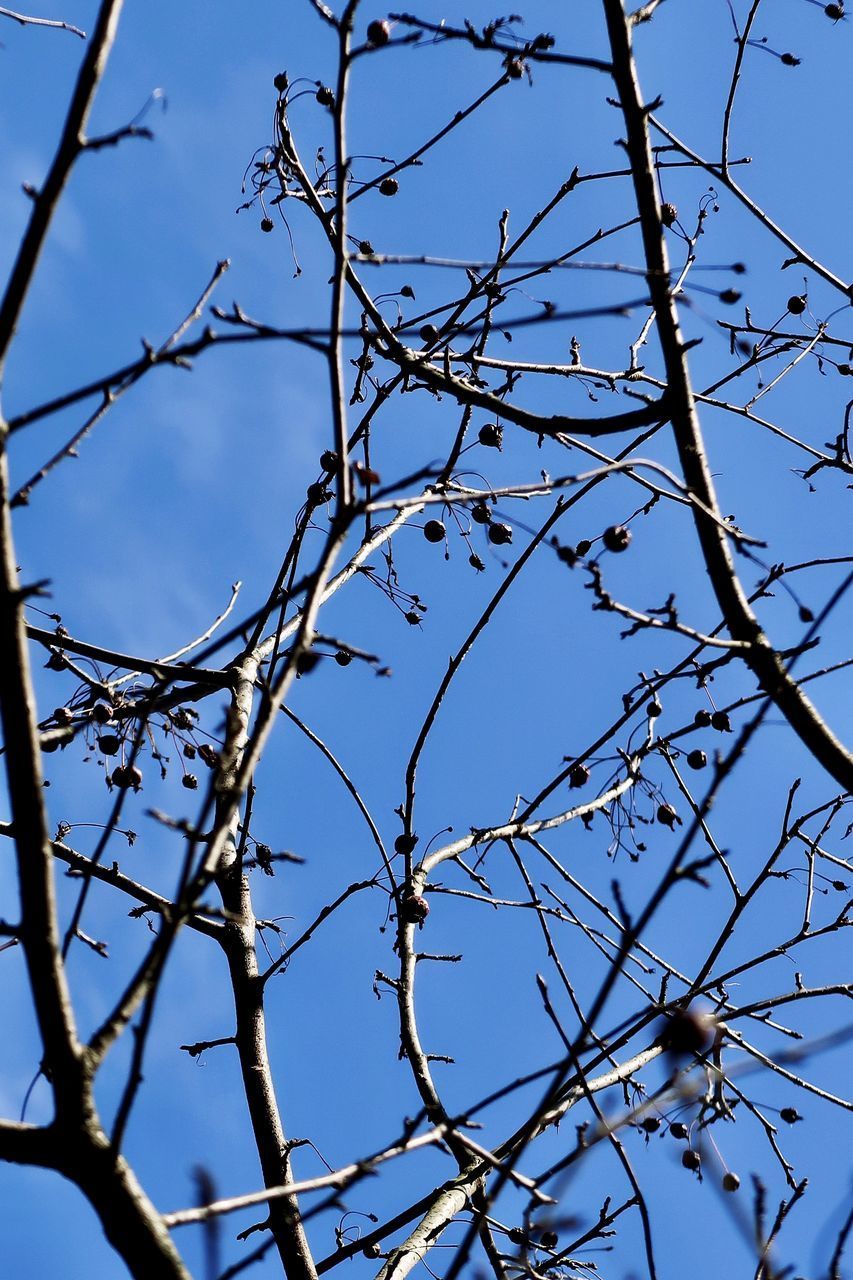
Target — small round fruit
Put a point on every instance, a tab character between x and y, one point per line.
190	781
389	187
514	68
429	334
102	713
109	743
267	224
414	909
790	1115
329	460
583	547
697	759
796	304
617	538
654	709
578	776
650	1124
667	816
281	82
373	1250
678	1130
500	534
125	776
549	1239
691	1159
721	722
702	718
434	531
844	370
491	434
379	32
342	658
481	513
668	214
405	843
63	715
324	96
686	1032
731	1182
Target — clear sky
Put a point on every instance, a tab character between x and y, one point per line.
193	481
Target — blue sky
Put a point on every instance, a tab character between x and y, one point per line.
193	481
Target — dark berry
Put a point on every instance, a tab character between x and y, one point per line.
491	434
324	95
654	709
702	718
668	214
650	1124
730	296
429	334
583	547
102	713
125	776
267	224
721	722
209	755
481	513
280	82
578	776
342	658
109	743
373	1250
379	32
434	531
549	1239
500	534
63	715
697	759
514	68
686	1032
389	187
796	305
790	1115
845	370
405	843
667	816
329	460
731	1182
190	781
691	1159
306	662
616	538
678	1130
413	618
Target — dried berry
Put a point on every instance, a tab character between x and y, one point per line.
389	187
789	60
209	755
365	248
481	513
413	618
189	751
514	68
616	538
578	776
549	1239
650	1124
405	843
491	434
373	1250
63	715
796	305
342	658
721	722
475	562
280	82
500	534
668	214
691	1159
667	816
429	334
697	759
324	96
414	909
702	718
731	1182
329	460
654	709
686	1032
567	555
190	781
678	1130
306	662
379	32
267	224
434	531
790	1115
102	713
109	743
125	776
517	1236
844	370
583	547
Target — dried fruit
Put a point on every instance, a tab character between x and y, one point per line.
102	713
109	743
280	82
686	1032
434	531
583	547
678	1130
63	715
549	1239
329	460
578	776
616	538
650	1124
500	534
190	781
379	32
654	709
481	513
373	1250
389	187
209	755
429	334
125	776
405	843
491	434
697	759
342	658
790	1115
514	68
731	1182
267	224
691	1159
324	96
668	214
702	718
414	909
721	722
796	305
667	816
